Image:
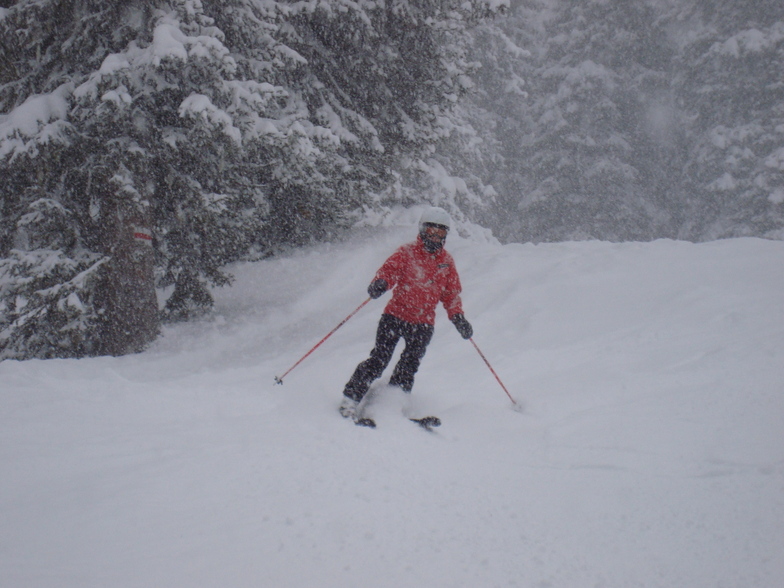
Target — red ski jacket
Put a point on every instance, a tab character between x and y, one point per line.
420	280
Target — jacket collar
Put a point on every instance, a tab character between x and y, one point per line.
421	247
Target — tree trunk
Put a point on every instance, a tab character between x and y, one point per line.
128	299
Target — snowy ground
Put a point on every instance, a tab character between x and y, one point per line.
651	451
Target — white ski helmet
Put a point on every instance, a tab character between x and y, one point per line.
435	216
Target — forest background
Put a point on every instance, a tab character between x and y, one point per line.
145	145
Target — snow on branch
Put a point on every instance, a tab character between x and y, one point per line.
199	106
37	121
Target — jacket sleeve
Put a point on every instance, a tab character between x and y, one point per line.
450	296
391	269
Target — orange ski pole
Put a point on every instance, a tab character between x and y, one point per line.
279	380
516	404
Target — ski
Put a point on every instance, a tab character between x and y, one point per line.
365	422
427	422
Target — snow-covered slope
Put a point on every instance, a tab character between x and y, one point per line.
651	451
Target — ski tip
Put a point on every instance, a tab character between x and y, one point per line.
365	422
427	422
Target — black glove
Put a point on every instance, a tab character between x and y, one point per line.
463	326
377	288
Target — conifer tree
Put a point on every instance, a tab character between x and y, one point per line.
56	258
577	158
389	76
728	81
136	146
150	143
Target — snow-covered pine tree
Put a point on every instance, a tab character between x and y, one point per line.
128	122
295	148
50	273
729	83
166	113
504	48
204	129
388	78
457	173
577	154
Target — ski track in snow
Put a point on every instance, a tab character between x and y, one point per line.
650	452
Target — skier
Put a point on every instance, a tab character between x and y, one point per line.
420	275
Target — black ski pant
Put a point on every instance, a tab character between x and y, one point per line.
390	330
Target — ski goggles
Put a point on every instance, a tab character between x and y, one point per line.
435	233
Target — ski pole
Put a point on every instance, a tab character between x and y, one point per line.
279	380
517	405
